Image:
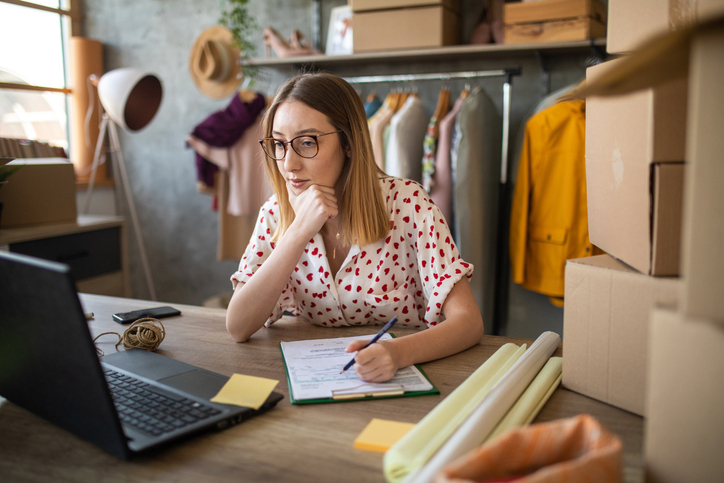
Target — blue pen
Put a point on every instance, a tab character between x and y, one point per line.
374	339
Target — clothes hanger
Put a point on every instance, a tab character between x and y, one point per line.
395	100
406	93
443	103
572	95
245	94
389	101
465	91
403	98
597	55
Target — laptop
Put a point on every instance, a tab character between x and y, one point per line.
49	366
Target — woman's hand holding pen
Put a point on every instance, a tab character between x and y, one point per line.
312	208
375	363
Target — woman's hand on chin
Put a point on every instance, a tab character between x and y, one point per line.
312	208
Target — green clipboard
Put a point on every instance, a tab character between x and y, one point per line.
372	393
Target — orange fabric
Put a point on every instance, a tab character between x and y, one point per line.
549	215
575	449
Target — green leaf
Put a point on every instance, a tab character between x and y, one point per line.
7	171
236	17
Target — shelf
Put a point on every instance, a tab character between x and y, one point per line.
455	52
82	224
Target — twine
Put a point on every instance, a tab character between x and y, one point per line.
142	334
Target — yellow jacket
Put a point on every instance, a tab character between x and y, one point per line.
549	217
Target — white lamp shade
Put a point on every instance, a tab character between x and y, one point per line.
130	97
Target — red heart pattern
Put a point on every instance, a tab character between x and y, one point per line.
377	272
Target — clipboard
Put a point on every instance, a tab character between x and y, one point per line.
355	389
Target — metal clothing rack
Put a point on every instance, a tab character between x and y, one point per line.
507	73
500	308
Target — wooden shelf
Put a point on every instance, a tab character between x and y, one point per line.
456	52
83	224
94	246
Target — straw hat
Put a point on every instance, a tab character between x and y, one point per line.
214	63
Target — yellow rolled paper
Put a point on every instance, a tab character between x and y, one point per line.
529	404
423	441
491	409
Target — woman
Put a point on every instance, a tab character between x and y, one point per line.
342	244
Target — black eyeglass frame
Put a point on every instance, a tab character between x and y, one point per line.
291	141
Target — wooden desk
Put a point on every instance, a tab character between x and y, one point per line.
309	443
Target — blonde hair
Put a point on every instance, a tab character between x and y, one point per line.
362	211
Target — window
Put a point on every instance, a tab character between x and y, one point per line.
33	86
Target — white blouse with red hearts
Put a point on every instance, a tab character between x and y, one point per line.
407	274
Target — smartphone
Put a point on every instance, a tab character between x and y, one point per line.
155	312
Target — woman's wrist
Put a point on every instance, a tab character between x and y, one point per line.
396	349
296	237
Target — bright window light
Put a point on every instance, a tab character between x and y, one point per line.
36	58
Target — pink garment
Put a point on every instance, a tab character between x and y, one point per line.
441	192
377	125
248	189
408	274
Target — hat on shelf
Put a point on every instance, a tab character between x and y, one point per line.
214	63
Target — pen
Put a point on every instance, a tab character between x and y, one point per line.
374	339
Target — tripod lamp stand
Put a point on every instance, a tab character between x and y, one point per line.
130	99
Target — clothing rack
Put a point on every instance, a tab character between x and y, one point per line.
500	308
415	77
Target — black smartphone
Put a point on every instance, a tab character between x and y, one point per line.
155	312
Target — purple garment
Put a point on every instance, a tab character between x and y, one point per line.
222	129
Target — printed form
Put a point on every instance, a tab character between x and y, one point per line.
313	367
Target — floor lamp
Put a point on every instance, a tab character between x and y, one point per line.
130	99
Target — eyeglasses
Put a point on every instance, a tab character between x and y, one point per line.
305	146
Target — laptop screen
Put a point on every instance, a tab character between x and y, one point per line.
48	363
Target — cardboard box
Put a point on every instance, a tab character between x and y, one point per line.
684	431
405	28
632	22
606	329
702	261
41	191
366	5
544	10
634	191
554	21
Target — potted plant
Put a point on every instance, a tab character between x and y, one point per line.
5	172
236	17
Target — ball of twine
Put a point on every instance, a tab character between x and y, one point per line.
144	334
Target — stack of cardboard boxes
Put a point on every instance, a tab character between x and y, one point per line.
404	24
644	326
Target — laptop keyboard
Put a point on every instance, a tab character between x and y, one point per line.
143	407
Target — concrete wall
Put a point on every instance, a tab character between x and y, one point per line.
178	224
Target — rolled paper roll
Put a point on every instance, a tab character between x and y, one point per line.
491	410
529	404
86	59
416	448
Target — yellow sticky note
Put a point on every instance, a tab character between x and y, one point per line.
246	391
380	434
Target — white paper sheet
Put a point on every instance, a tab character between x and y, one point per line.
313	367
